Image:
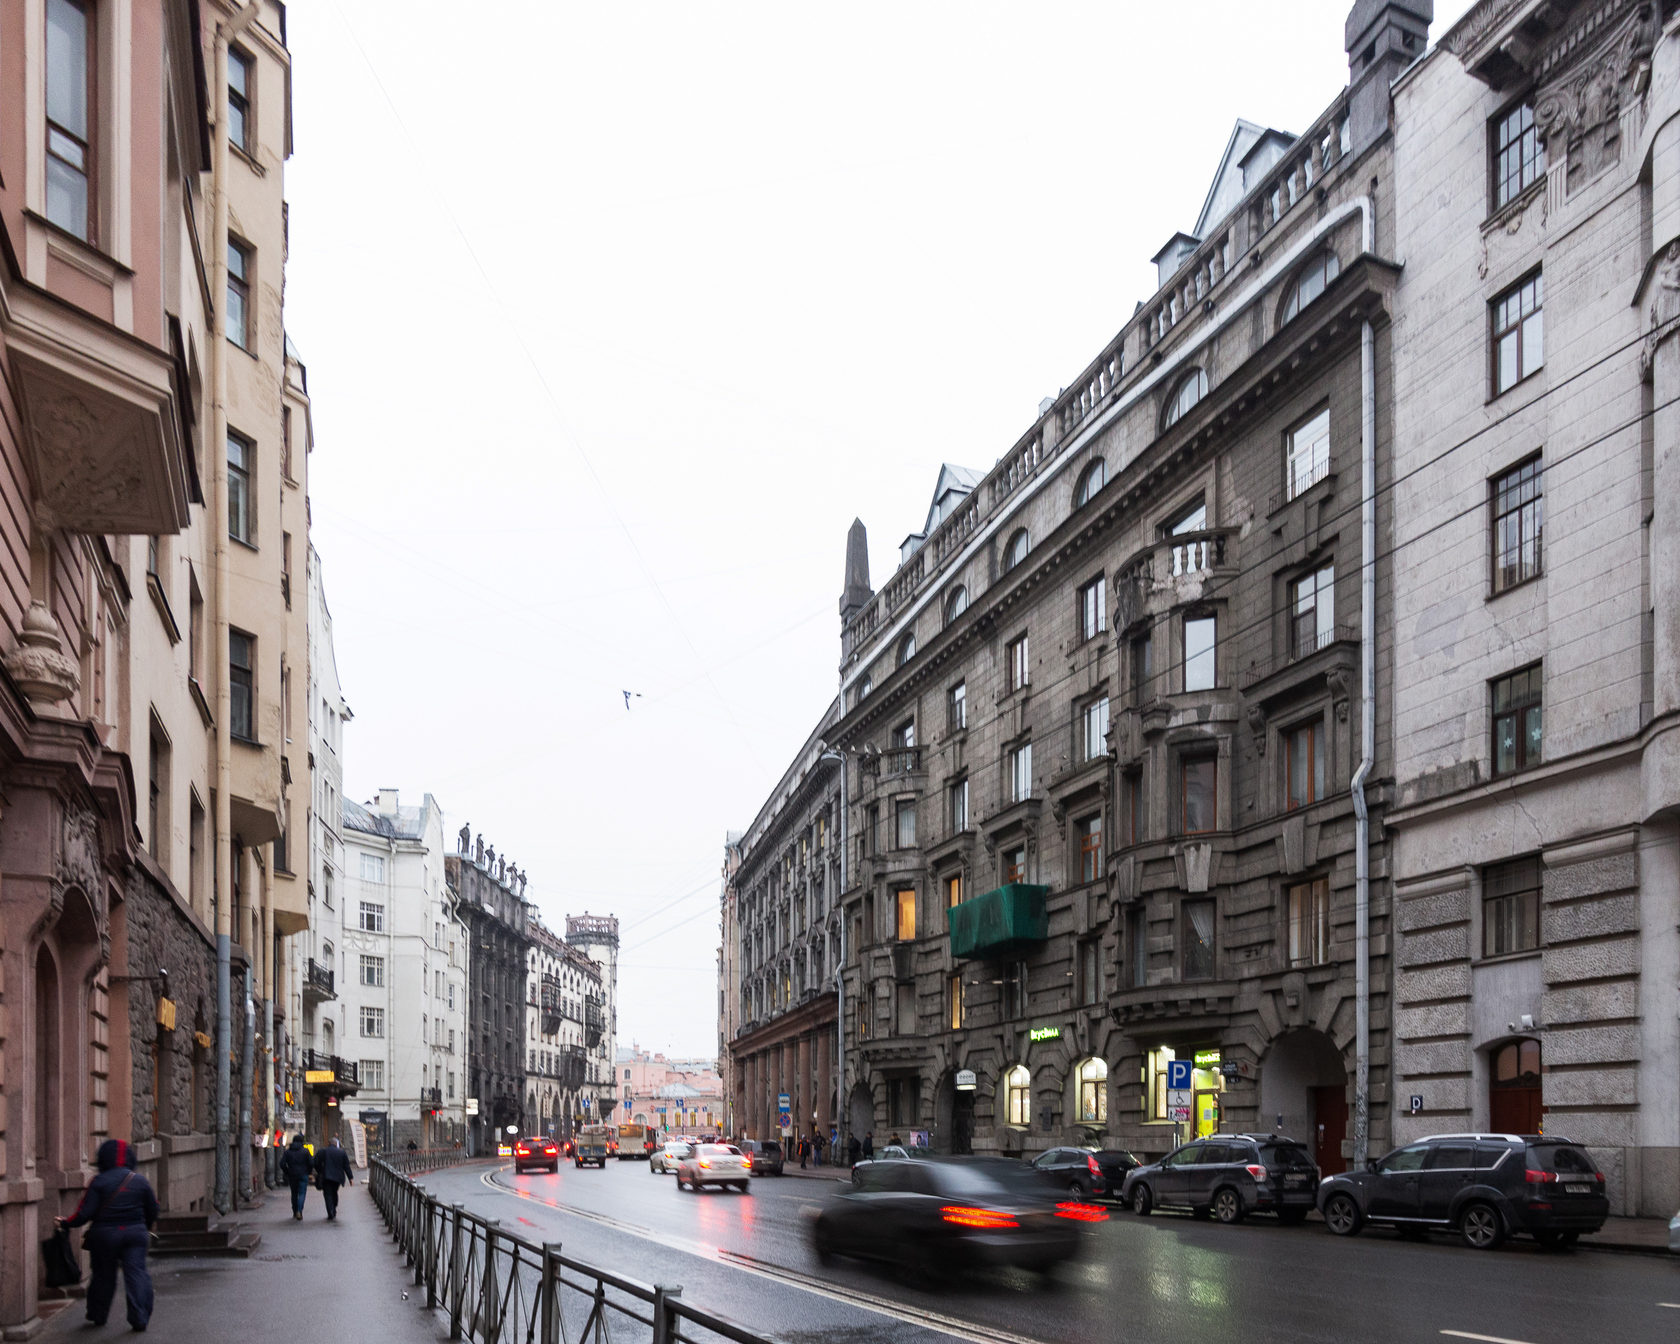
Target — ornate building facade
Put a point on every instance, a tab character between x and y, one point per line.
565	1024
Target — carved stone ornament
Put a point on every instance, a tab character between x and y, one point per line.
1336	678
1578	111
1665	305
1472	30
38	663
464	839
1257	726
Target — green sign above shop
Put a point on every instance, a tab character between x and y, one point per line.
1207	1059
1045	1034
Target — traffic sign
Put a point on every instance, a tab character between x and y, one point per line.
586	1103
784	1102
627	1103
1178	1075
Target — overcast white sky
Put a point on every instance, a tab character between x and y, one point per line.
617	314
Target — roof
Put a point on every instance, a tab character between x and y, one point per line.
408	824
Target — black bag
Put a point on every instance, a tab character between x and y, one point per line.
63	1269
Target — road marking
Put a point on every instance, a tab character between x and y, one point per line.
1675	1305
1487	1339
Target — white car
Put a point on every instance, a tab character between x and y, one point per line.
714	1164
666	1158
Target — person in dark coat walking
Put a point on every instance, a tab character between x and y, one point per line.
119	1208
295	1166
854	1150
332	1168
869	1146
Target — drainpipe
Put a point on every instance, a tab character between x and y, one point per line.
269	967
225	33
1367	746
833	754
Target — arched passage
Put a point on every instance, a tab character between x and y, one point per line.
860	1111
1303	1093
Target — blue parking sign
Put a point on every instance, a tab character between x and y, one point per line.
1178	1074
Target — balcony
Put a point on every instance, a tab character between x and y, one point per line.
573	1067
431	1097
317	982
893	762
330	1074
1002	922
1173	572
594	1022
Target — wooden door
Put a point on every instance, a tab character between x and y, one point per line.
1329	1128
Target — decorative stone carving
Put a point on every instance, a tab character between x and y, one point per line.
1587	85
1257	726
478	850
1337	680
1473	29
38	663
464	839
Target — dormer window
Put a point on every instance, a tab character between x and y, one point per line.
1091	480
1016	550
1310	283
956	603
1191	389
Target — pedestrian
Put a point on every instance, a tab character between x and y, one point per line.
119	1208
804	1152
413	1146
332	1169
854	1150
897	1142
295	1165
869	1146
816	1149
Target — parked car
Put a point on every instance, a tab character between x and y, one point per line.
1229	1176
591	1146
940	1214
665	1157
1086	1173
1485	1187
536	1153
714	1164
764	1156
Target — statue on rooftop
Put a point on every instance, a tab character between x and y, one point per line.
464	839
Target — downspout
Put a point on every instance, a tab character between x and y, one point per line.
833	754
269	965
225	33
1367	745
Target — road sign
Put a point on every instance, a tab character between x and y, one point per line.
1178	1075
586	1103
627	1103
1179	1115
784	1102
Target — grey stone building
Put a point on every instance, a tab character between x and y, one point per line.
1111	726
596	937
1537	584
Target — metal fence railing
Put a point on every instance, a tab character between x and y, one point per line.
500	1288
421	1159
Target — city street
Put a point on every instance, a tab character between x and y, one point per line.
1165	1278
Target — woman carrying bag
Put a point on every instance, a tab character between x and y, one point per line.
119	1208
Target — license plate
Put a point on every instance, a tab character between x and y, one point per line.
1581	1189
1296	1181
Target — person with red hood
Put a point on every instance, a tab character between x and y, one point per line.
119	1208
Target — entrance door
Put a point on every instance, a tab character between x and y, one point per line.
1329	1128
1207	1114
1514	1089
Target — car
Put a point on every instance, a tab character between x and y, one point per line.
764	1155
665	1157
714	1164
943	1214
1229	1176
1086	1173
1674	1233
892	1152
1486	1187
536	1153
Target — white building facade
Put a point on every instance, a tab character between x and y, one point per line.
560	984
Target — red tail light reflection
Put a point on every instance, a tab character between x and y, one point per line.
1083	1213
1257	1171
1540	1177
963	1216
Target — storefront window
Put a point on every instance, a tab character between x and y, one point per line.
1155	1082
1093	1092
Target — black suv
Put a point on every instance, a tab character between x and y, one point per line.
1485	1186
764	1156
1086	1172
1229	1176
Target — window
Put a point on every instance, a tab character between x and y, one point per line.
1091	480
1519	344
1307	453
1199	672
1093	730
1137	947
904	824
70	148
956	603
1191	520
195	849
864	687
1089	831
1511	907
157	794
241	685
1303	764
1016	550
1198	787
1093	1092
1197	935
1309	922
1019	671
958	805
1518	521
1155	1082
904	736
371	1073
373	971
1093	608
1020	773
906	649
1133	784
241	461
1143	666
327	887
953	891
373	867
1516	721
1519	158
239	99
872	829
954	1000
1090	971
1191	389
1014	864
239	294
372	917
373	1021
904	905
1312	611
1312	281
1017	1092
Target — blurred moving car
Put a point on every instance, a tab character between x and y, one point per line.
1485	1187
536	1153
940	1214
591	1146
1229	1176
891	1153
764	1156
1086	1172
666	1157
713	1164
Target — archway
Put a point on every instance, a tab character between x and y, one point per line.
1514	1087
860	1111
1303	1094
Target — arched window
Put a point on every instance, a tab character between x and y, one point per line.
1017	1096
1191	389
906	649
1091	480
1312	281
1016	550
864	687
1093	1092
956	603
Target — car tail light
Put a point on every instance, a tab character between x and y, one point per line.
1082	1213
964	1216
1091	1163
1257	1171
704	1163
1540	1177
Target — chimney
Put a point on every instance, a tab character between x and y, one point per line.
387	804
1382	38
857	591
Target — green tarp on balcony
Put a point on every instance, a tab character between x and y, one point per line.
1006	920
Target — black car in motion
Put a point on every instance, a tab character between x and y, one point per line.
1484	1186
1229	1176
1086	1172
942	1214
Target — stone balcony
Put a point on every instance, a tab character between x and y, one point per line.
1173	572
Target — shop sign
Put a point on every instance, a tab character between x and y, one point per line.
472	1105
292	1119
166	1014
966	1081
318	1075
1207	1059
1045	1034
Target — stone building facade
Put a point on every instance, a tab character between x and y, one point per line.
561	984
1110	726
596	937
1537	585
783	949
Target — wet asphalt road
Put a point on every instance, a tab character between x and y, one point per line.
1164	1278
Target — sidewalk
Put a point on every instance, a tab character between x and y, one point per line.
308	1280
1646	1235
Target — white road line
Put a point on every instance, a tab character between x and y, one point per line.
1487	1339
1675	1305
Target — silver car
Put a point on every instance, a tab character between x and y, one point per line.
666	1158
714	1164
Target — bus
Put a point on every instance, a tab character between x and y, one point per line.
635	1141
